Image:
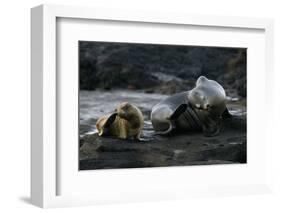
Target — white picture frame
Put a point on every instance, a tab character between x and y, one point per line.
44	154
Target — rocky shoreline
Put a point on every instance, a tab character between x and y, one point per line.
145	74
175	150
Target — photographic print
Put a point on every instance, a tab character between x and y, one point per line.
159	105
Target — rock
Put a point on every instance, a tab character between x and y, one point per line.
174	150
109	65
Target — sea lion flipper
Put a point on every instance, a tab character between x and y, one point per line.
211	127
110	119
226	114
179	110
165	132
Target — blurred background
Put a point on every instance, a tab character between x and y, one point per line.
163	69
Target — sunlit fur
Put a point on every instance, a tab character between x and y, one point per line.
128	122
205	104
208	95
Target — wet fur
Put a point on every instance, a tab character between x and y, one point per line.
199	108
127	122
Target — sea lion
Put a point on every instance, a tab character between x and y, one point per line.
126	122
201	108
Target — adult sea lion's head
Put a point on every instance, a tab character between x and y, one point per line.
208	95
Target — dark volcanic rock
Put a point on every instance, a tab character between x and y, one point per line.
110	65
174	150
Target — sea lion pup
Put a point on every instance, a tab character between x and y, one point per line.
201	108
126	122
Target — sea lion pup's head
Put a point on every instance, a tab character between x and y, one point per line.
208	95
132	114
128	111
